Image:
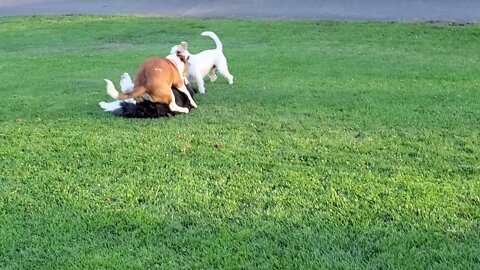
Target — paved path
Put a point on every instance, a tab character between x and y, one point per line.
420	10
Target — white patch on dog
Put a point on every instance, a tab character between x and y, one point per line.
177	62
184	90
205	63
114	105
174	107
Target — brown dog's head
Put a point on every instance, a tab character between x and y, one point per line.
183	54
181	50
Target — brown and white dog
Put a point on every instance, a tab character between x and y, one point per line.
155	78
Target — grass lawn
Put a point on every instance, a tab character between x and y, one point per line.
341	145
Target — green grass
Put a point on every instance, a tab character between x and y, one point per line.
341	145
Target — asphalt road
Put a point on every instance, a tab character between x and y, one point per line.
391	10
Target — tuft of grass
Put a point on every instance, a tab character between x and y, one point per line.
341	145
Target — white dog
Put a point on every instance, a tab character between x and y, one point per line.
205	63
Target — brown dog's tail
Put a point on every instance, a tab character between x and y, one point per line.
111	91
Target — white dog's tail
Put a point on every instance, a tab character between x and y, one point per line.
111	91
215	38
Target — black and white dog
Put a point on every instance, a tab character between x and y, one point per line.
145	109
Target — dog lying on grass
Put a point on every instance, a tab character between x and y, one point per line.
154	80
146	109
159	82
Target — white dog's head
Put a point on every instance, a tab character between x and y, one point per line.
181	50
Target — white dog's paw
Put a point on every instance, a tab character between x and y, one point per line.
109	106
193	104
183	110
175	108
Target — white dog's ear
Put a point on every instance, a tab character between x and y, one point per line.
184	45
180	48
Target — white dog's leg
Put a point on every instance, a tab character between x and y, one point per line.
184	90
223	69
126	83
212	75
200	83
175	108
